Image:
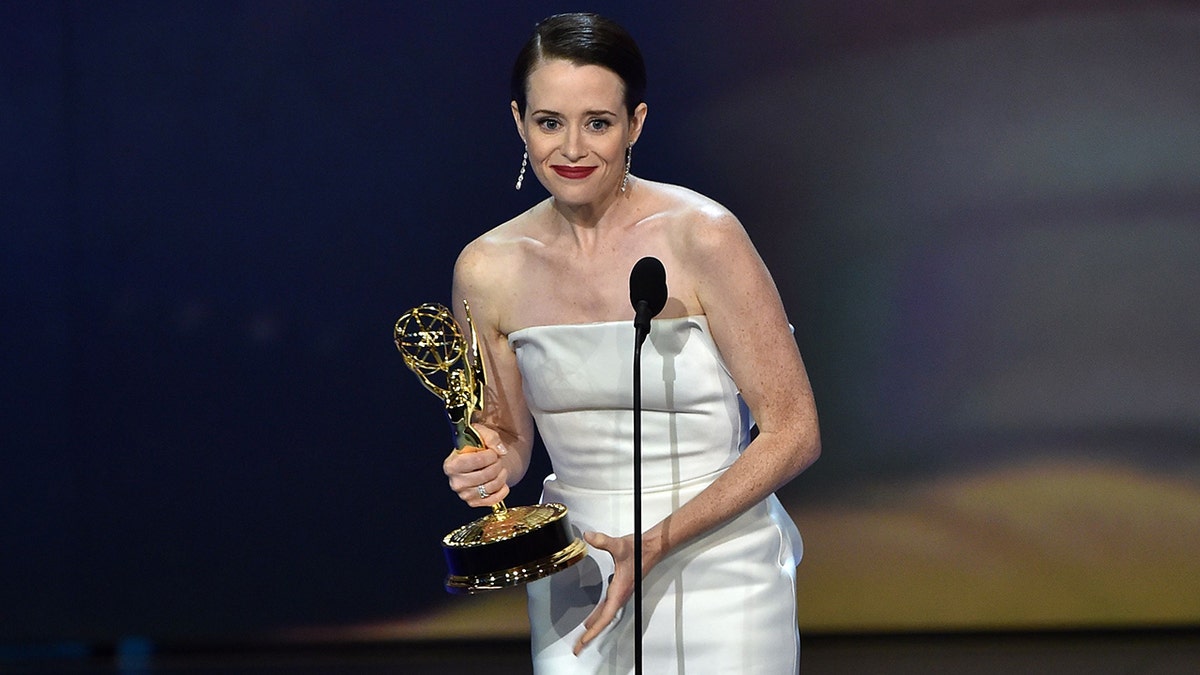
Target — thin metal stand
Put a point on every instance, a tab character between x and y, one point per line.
637	505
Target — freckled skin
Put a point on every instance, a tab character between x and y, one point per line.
567	260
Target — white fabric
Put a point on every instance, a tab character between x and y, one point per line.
724	603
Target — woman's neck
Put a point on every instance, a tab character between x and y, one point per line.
587	222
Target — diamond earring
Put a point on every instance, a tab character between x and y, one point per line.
628	160
524	163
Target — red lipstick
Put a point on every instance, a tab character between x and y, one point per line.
573	172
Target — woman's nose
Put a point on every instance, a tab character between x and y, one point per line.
573	147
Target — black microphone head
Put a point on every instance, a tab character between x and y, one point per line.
648	284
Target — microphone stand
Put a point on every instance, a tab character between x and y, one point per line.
648	293
640	337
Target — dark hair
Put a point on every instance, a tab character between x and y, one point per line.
582	39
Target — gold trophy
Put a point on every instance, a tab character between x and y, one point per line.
507	547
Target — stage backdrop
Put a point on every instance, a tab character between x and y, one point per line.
982	218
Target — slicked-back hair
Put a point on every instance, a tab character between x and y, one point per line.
582	39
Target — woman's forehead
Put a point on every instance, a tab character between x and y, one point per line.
560	83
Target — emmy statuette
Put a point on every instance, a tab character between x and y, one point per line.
509	546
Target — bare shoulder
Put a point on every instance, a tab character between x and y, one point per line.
488	272
699	227
490	257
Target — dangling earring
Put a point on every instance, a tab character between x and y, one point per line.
628	159
524	163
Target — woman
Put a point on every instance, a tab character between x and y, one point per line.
549	295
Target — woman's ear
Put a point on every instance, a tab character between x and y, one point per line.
636	121
516	113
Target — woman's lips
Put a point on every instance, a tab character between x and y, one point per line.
573	172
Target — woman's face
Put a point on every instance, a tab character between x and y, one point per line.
576	129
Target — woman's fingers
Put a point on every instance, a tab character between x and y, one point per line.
470	469
620	587
598	620
485	494
490	438
477	474
469	460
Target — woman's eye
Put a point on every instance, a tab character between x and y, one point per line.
549	124
599	125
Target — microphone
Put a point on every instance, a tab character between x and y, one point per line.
647	293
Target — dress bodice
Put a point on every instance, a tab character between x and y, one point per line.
578	383
723	602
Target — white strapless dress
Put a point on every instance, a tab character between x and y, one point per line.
725	603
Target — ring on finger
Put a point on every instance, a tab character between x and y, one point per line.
483	493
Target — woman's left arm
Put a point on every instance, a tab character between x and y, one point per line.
749	326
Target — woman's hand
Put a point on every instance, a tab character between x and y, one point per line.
620	587
470	469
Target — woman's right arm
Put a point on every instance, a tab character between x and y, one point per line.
505	424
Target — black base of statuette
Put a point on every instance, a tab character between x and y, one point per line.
509	548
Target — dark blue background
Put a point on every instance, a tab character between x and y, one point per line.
213	212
